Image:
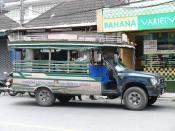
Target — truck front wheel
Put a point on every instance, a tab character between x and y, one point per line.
135	98
152	100
44	97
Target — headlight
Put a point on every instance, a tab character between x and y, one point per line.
154	81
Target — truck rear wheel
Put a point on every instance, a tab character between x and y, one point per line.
135	98
31	94
152	100
63	98
12	93
44	97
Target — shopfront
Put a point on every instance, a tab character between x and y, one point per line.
5	61
152	29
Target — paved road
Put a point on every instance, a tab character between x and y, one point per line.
23	114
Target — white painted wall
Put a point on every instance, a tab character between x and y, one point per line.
32	9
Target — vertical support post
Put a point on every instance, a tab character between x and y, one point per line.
21	13
29	56
50	57
93	59
68	55
68	59
14	59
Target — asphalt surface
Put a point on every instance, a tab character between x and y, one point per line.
21	113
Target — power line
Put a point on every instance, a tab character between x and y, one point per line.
21	13
151	5
122	3
89	10
78	12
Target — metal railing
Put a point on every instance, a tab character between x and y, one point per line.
101	38
41	66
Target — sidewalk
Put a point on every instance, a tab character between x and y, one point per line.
168	96
164	97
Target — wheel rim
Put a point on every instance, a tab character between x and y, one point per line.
135	98
44	95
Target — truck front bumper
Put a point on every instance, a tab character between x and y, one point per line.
156	90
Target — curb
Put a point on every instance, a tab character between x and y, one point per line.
167	99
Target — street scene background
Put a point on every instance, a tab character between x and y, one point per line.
141	32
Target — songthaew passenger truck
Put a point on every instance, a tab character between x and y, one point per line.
61	71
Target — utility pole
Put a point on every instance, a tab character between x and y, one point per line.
21	13
1	6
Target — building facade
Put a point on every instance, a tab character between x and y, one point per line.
69	21
152	28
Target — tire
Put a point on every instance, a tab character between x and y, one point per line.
152	100
63	98
31	94
13	93
22	92
135	98
44	97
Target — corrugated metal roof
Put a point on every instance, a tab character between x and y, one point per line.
62	45
74	12
7	23
8	1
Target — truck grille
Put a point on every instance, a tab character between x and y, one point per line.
161	80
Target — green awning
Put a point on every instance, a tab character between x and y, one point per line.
62	45
52	45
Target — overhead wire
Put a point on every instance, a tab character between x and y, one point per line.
77	12
122	3
88	10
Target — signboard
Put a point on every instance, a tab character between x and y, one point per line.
150	46
156	21
142	22
120	24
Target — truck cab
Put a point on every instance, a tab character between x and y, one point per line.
138	87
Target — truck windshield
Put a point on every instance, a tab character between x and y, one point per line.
120	67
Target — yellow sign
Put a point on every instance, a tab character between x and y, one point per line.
120	24
131	23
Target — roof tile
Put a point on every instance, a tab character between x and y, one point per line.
7	23
72	12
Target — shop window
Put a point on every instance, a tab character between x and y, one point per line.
165	40
159	49
160	60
